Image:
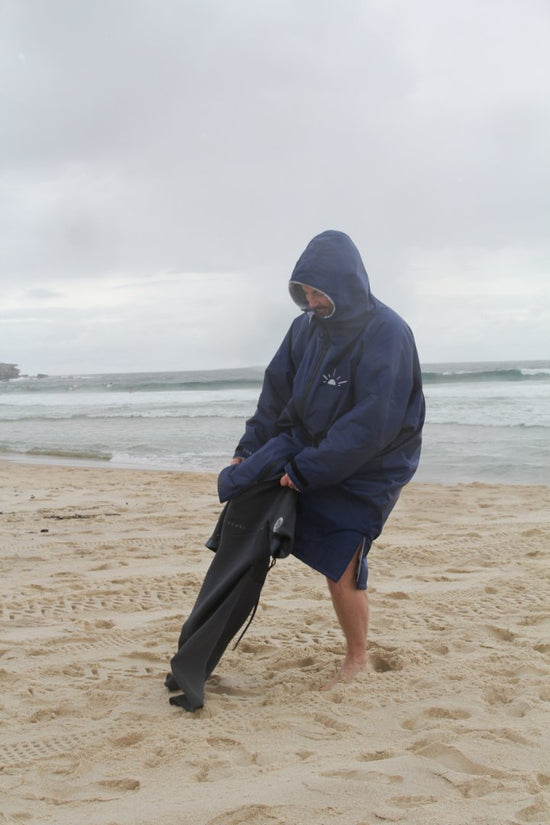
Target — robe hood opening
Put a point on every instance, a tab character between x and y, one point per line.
332	265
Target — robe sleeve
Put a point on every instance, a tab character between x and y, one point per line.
275	394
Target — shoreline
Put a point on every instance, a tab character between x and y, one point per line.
100	566
28	460
85	463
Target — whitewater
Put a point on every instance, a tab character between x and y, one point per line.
485	421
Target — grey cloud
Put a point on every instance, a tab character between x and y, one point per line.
147	137
42	294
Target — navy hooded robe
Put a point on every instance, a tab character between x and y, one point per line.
341	411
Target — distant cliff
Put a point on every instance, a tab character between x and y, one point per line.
8	371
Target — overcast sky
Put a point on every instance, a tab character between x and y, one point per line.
163	163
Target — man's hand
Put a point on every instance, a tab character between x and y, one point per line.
287	482
236	460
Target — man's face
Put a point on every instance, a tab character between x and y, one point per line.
318	302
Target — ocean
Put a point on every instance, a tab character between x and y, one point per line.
486	422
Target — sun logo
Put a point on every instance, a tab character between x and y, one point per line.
334	380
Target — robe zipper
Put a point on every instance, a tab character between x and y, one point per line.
324	348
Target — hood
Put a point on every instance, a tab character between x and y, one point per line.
331	263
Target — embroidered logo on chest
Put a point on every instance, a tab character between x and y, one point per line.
334	380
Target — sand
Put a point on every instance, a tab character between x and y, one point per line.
100	566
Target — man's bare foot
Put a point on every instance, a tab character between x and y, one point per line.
346	672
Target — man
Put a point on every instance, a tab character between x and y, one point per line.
339	418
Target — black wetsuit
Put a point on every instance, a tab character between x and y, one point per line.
253	529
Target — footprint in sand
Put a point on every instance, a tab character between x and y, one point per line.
536	814
383	662
253	814
422	721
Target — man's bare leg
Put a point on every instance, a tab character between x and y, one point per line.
352	609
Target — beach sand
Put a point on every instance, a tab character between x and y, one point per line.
451	725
